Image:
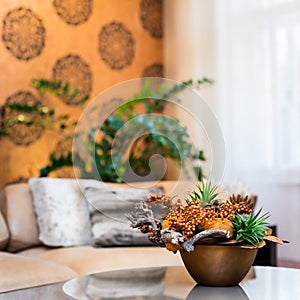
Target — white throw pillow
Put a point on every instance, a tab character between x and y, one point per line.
62	211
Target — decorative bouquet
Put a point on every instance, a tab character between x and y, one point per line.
207	216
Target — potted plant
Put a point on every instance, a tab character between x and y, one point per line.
112	166
148	100
217	234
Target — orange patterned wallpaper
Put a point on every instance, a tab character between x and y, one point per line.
92	44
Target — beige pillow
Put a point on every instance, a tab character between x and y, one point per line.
17	207
62	212
108	210
4	236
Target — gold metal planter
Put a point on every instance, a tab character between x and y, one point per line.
218	265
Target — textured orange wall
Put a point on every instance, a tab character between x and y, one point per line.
91	44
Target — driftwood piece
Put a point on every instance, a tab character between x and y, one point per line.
189	244
171	236
141	216
143	219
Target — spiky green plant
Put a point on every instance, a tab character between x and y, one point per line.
251	228
205	192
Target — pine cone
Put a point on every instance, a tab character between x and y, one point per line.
249	200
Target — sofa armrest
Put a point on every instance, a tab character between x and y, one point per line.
4	235
16	204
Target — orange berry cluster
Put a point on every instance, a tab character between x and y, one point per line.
159	198
192	217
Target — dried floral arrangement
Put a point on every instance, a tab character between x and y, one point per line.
207	216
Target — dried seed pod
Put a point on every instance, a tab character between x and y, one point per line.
219	223
172	247
249	200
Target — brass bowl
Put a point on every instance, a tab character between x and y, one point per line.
218	265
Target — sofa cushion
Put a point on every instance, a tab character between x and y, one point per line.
87	259
17	208
109	207
34	252
21	272
4	236
62	211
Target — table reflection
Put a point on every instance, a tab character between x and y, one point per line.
123	284
217	293
174	283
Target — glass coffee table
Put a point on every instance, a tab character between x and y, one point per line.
172	283
167	283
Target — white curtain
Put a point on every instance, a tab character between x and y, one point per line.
252	50
259	72
258	62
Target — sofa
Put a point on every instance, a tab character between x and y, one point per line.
28	259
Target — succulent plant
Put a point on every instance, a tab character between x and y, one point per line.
251	228
205	192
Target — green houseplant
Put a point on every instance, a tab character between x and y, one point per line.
139	110
148	101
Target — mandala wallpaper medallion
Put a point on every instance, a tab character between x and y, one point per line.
90	44
23	33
